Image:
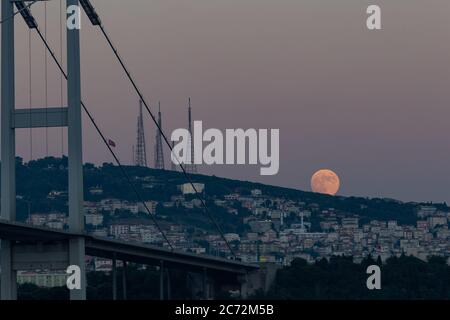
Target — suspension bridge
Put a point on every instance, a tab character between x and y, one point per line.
25	247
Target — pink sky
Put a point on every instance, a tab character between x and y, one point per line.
371	105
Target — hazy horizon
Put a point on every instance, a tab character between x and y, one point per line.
370	105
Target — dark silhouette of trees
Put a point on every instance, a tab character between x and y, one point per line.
405	277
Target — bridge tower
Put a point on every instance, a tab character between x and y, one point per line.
73	252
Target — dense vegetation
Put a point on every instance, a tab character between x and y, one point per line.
341	278
337	279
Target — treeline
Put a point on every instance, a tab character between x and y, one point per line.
403	278
340	278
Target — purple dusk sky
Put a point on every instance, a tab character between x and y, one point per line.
371	105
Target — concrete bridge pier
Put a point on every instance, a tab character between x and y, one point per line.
8	152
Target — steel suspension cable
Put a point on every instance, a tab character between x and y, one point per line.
30	92
19	11
46	80
123	171
166	140
61	93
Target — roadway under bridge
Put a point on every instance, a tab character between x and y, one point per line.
36	248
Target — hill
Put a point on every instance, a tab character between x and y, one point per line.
37	179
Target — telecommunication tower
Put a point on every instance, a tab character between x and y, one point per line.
140	158
191	167
159	154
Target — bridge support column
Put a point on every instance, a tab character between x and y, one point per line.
189	286
244	286
76	257
9	276
124	280
8	162
114	277
161	280
205	284
76	211
168	285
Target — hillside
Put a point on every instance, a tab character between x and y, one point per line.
37	179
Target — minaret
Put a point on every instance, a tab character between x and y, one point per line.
159	154
140	158
302	228
191	168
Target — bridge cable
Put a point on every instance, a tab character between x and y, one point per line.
91	118
61	93
30	101
157	125
190	181
19	11
46	80
30	92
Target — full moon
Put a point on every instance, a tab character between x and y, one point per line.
325	181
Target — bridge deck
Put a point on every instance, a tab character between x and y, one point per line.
128	251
